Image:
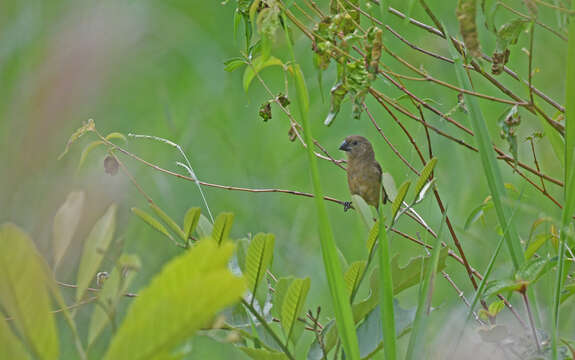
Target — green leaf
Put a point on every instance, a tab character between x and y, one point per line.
262	354
204	228
401	193
422	181
256	66
372	236
292	308
112	292
222	227
233	64
191	220
369	332
353	274
534	269
258	260
152	221
500	286
185	296
11	346
281	289
363	210
87	149
95	247
116	135
540	239
169	221
24	296
496	307
65	223
475	215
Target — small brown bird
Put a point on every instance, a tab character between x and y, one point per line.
363	171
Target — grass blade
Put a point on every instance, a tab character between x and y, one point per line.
386	285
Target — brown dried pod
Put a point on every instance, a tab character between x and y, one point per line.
111	165
466	16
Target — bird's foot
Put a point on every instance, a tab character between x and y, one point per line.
346	206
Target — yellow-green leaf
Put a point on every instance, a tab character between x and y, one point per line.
87	149
65	223
116	135
258	260
112	292
11	346
353	274
95	247
181	299
364	210
89	126
222	227
292	307
263	354
191	221
169	221
372	236
401	193
24	294
423	177
152	221
256	66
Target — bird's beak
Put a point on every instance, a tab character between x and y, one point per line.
344	146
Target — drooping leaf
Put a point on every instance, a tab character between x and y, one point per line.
258	65
116	135
153	222
499	286
475	214
258	260
24	295
292	308
540	239
372	236
112	291
186	294
65	223
422	180
353	274
95	247
401	193
191	220
169	221
535	268
86	151
222	227
233	64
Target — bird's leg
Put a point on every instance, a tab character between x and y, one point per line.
346	206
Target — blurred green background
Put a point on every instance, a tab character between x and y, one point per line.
156	67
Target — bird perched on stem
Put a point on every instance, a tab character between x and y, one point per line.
363	171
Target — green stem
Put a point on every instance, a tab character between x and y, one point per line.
386	298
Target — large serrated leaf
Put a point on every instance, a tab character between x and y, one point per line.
152	221
24	296
401	193
95	247
169	221
191	220
292	308
65	223
222	227
112	291
423	177
186	294
258	259
353	274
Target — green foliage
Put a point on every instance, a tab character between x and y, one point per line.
65	223
95	247
153	222
183	297
25	297
292	308
398	200
258	260
222	227
191	220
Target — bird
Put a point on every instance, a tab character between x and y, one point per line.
363	171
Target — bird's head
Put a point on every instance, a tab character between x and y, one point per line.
356	146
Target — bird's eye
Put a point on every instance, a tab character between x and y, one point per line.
354	142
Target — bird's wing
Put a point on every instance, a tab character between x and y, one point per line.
380	171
